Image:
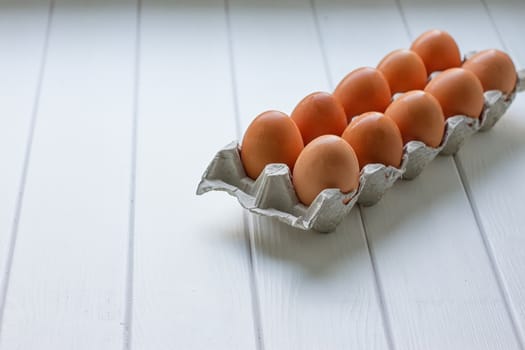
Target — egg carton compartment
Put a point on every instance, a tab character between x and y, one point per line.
273	194
376	179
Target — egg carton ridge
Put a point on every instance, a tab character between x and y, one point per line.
272	194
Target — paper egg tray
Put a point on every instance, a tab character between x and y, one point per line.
273	194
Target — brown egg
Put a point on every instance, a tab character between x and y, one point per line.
404	70
494	69
375	139
419	117
437	49
272	137
326	162
363	90
319	113
458	91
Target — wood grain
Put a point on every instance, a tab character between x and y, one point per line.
100	264
315	291
23	31
493	162
192	267
431	262
68	275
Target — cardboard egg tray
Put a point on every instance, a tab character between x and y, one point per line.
273	194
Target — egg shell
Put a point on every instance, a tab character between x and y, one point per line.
438	50
419	117
458	91
363	90
326	162
375	139
319	113
404	70
273	195
494	69
272	137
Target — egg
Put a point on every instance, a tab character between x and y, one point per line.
494	69
326	162
404	70
458	91
437	49
319	113
375	139
363	90
272	137
419	117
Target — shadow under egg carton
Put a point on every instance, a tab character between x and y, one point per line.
273	194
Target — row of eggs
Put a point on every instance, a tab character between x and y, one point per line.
329	138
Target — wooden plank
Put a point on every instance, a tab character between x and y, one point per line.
465	20
22	37
345	50
68	275
315	291
507	19
493	162
438	286
192	267
498	212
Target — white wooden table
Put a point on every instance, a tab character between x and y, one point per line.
110	110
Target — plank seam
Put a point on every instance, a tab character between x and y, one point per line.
256	313
490	254
488	247
130	265
235	97
462	178
6	274
253	281
404	19
322	44
377	283
494	26
380	294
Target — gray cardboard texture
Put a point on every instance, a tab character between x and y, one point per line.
273	195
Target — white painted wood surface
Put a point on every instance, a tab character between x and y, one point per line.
67	282
413	231
477	160
23	30
491	161
192	269
114	254
314	291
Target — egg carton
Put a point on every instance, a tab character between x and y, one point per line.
273	194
